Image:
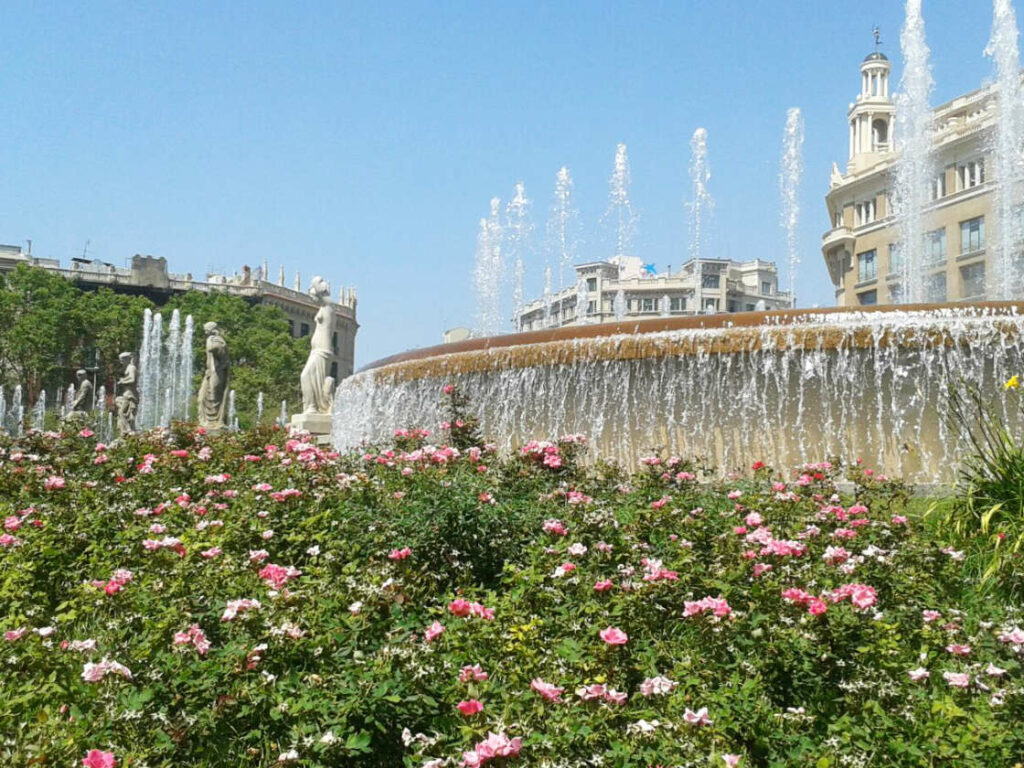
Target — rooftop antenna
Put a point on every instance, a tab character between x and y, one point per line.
85	248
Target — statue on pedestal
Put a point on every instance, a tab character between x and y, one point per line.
127	401
83	394
214	389
317	386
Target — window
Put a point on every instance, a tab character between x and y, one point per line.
935	287
711	305
648	305
334	343
677	304
972	235
731	306
838	219
896	294
591	307
591	283
868	298
935	246
305	330
867	268
973	279
750	307
938	189
766	288
291	327
895	258
334	371
865	212
970	174
709	281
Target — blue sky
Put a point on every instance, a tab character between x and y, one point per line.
363	141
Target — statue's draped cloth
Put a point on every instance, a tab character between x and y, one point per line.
316	393
213	391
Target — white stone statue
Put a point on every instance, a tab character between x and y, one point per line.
213	392
127	401
83	394
317	386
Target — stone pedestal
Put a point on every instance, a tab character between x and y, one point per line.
317	424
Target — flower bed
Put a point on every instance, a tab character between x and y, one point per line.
252	600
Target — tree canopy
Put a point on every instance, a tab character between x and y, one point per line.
49	328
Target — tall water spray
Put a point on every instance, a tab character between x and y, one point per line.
39	412
1006	279
259	407
3	410
791	168
915	167
564	226
232	413
487	272
165	370
700	207
517	234
18	411
620	209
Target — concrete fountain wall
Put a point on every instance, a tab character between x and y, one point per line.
784	387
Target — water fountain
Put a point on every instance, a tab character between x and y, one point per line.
783	386
3	411
517	232
39	412
1007	274
791	167
232	413
700	208
619	305
915	168
620	209
487	272
259	407
282	420
165	370
564	226
17	412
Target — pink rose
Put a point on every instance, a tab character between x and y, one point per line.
433	631
97	759
614	636
470	707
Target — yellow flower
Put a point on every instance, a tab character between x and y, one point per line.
1013	383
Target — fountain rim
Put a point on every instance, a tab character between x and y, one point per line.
723	320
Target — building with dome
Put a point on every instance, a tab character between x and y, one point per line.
862	248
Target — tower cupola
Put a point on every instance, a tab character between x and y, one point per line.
872	115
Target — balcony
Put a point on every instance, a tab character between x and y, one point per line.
838	237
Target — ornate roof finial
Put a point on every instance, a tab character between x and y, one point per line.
877	33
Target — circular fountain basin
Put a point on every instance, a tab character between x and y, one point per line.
784	387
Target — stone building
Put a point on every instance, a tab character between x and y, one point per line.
862	248
148	276
608	290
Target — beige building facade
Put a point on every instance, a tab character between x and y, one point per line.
862	247
606	291
148	276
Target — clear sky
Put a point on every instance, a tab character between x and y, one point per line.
363	141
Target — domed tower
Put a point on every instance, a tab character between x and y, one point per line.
871	116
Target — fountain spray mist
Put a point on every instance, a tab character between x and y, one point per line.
517	232
700	207
563	226
791	167
620	209
1007	275
914	170
487	272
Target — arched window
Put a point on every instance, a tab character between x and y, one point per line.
880	132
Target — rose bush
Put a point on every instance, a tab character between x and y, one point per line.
254	600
